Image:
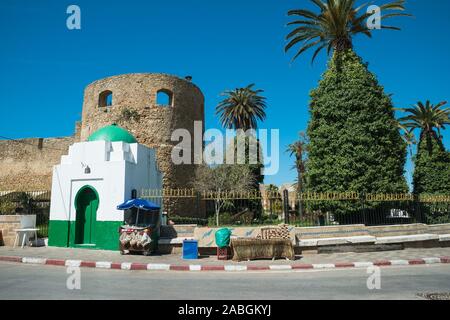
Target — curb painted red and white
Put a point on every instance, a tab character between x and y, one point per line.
224	267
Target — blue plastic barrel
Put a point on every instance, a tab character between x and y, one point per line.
190	249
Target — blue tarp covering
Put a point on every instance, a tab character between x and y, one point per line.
138	203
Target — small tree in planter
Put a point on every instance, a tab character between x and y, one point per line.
218	182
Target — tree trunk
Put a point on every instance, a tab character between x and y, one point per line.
299	192
217	205
217	212
299	182
342	44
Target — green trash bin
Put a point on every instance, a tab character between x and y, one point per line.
223	238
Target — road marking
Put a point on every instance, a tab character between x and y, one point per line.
280	267
363	264
125	266
432	260
195	267
55	262
213	268
230	267
323	266
103	264
399	262
34	260
72	263
158	266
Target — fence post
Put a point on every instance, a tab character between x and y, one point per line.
300	205
198	199
286	206
30	206
363	207
417	209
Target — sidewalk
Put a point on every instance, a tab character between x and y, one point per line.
113	260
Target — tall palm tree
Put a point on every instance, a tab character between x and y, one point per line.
242	108
428	118
335	25
431	165
299	150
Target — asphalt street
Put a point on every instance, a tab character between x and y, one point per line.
19	281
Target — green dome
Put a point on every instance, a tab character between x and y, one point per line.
112	133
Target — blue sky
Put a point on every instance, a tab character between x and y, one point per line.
222	44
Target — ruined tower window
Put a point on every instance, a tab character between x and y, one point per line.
105	99
164	97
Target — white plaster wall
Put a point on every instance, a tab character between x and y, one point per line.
87	152
145	173
116	169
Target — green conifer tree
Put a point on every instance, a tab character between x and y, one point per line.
355	144
432	168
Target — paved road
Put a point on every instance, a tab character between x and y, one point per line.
19	281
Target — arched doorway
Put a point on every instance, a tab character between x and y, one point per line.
86	205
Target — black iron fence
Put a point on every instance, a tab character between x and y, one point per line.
370	209
30	202
187	206
305	209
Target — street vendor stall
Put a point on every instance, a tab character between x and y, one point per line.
141	228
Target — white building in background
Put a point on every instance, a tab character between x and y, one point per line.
89	183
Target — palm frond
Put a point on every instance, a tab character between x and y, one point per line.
428	118
242	108
334	26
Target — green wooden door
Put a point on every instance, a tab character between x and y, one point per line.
86	205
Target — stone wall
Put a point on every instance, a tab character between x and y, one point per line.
27	164
135	107
8	225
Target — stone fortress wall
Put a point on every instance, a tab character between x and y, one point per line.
134	107
27	164
130	101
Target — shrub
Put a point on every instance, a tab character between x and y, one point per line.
432	168
127	115
7	207
436	213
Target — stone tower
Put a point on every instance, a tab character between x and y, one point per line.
132	102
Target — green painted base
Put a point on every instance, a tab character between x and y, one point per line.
62	234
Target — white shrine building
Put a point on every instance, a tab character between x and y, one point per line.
89	183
